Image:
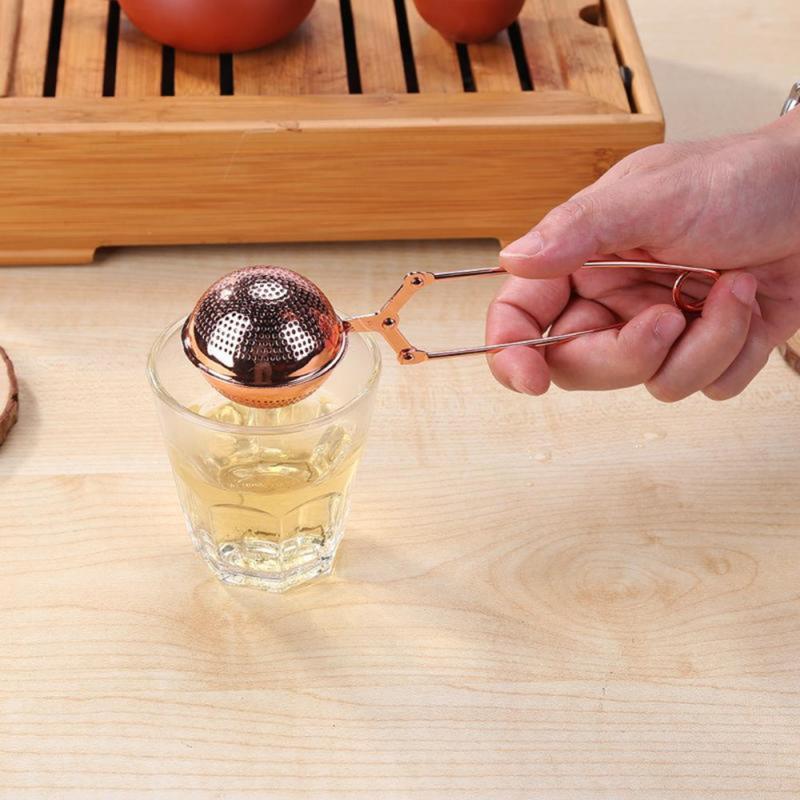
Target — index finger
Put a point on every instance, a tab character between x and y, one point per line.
523	309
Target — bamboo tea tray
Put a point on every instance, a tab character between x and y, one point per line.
365	124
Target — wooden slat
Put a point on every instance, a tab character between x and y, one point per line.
493	65
138	62
379	55
540	50
83	49
584	51
27	78
435	57
620	25
196	74
268	114
10	17
310	61
587	52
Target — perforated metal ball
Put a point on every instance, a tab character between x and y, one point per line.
264	328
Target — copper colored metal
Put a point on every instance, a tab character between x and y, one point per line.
264	336
267	336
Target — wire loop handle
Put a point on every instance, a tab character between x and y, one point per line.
386	321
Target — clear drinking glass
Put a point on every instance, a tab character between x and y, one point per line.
265	492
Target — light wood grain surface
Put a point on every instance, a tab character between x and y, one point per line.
379	57
83	47
584	52
196	74
138	63
436	58
30	53
576	597
421	166
493	65
310	61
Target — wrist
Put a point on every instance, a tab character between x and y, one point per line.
787	126
785	132
784	136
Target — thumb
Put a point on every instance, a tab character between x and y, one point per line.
598	220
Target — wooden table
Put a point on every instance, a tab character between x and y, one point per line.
578	596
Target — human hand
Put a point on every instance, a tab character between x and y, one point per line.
732	204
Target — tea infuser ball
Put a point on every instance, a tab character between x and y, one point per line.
267	337
264	336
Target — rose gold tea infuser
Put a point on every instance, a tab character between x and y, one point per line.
267	336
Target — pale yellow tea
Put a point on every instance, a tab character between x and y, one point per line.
257	509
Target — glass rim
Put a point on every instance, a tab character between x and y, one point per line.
166	397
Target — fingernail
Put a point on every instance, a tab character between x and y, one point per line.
744	288
670	325
519	385
529	245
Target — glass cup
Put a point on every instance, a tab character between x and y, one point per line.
265	492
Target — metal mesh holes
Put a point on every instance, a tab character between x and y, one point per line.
264	326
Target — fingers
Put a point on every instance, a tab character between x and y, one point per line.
718	353
712	342
750	361
523	309
613	359
605	360
521	369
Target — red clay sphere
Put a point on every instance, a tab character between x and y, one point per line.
217	26
469	21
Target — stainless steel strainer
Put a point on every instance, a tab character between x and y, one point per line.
267	336
264	336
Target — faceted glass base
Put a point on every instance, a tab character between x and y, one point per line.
275	567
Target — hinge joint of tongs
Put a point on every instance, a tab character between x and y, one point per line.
387	320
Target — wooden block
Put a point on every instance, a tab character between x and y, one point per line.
138	62
435	57
377	40
51	253
493	65
83	49
196	74
310	61
280	177
540	50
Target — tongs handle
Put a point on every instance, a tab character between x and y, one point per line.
386	321
793	100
